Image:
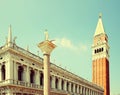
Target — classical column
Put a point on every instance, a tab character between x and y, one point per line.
37	77
9	69
93	93
59	83
15	71
86	91
24	74
81	90
69	88
73	87
65	85
96	93
46	47
0	72
90	92
77	88
28	76
53	82
9	93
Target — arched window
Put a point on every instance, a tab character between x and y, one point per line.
3	72
83	90
79	89
62	85
20	73
50	81
76	88
71	87
32	74
56	83
41	79
67	86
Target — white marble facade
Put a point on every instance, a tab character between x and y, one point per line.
21	73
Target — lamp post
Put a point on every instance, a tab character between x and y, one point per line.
46	48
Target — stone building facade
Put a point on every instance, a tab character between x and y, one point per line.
21	73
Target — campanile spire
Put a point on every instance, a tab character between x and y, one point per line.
100	28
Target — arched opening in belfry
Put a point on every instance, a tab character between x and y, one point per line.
32	74
102	49
56	83
41	79
62	85
97	50
3	72
67	86
20	73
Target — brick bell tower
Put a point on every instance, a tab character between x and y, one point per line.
100	58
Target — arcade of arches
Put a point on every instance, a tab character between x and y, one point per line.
34	77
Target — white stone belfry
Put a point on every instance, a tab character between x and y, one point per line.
46	47
22	72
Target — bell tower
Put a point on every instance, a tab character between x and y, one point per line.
100	58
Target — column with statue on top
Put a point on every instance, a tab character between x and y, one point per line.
46	47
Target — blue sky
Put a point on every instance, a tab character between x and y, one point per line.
72	24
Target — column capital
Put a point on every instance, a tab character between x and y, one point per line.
46	46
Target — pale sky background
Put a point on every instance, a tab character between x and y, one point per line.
72	24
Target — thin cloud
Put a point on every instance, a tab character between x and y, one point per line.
67	43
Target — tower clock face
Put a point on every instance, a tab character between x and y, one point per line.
99	41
